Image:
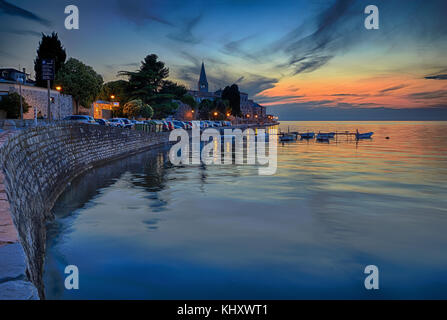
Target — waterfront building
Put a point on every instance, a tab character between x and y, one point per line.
202	92
249	108
11	75
103	109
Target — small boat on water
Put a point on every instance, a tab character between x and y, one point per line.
307	135
330	135
366	135
287	137
323	137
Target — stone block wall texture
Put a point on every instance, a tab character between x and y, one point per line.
39	162
38	97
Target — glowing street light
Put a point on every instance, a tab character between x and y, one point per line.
215	114
228	114
59	89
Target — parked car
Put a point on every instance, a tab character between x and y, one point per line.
168	125
211	124
136	122
102	122
81	119
179	124
127	123
117	122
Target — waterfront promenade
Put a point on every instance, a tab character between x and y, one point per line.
37	164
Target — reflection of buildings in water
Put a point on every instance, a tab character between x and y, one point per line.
145	170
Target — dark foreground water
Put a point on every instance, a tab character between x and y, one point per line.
139	228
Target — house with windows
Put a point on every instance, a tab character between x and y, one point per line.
11	75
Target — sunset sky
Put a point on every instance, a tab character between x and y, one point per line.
298	56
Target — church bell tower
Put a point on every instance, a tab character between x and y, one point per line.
203	83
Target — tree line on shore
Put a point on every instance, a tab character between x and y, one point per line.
146	93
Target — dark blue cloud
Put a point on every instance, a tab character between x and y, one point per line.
394	88
184	33
13	10
437	77
141	12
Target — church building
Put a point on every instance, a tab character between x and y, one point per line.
249	108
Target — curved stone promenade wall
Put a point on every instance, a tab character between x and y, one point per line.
37	164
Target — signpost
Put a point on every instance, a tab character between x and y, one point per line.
48	74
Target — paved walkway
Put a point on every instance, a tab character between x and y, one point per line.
8	233
13	282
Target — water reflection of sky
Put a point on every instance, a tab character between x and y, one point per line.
140	228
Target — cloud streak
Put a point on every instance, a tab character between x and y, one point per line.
23	32
429	95
315	50
437	77
140	12
185	31
13	10
394	88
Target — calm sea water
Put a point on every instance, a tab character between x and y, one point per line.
140	228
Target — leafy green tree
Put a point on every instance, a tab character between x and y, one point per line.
189	100
80	81
147	111
165	109
148	81
118	111
233	96
11	104
116	88
132	109
149	85
171	88
50	47
222	106
205	108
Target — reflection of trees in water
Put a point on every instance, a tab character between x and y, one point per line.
146	170
152	174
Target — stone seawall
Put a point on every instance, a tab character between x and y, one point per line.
37	164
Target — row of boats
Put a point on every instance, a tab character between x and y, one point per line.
323	136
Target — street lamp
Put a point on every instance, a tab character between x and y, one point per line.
215	114
59	89
228	114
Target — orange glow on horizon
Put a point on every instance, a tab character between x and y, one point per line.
386	91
